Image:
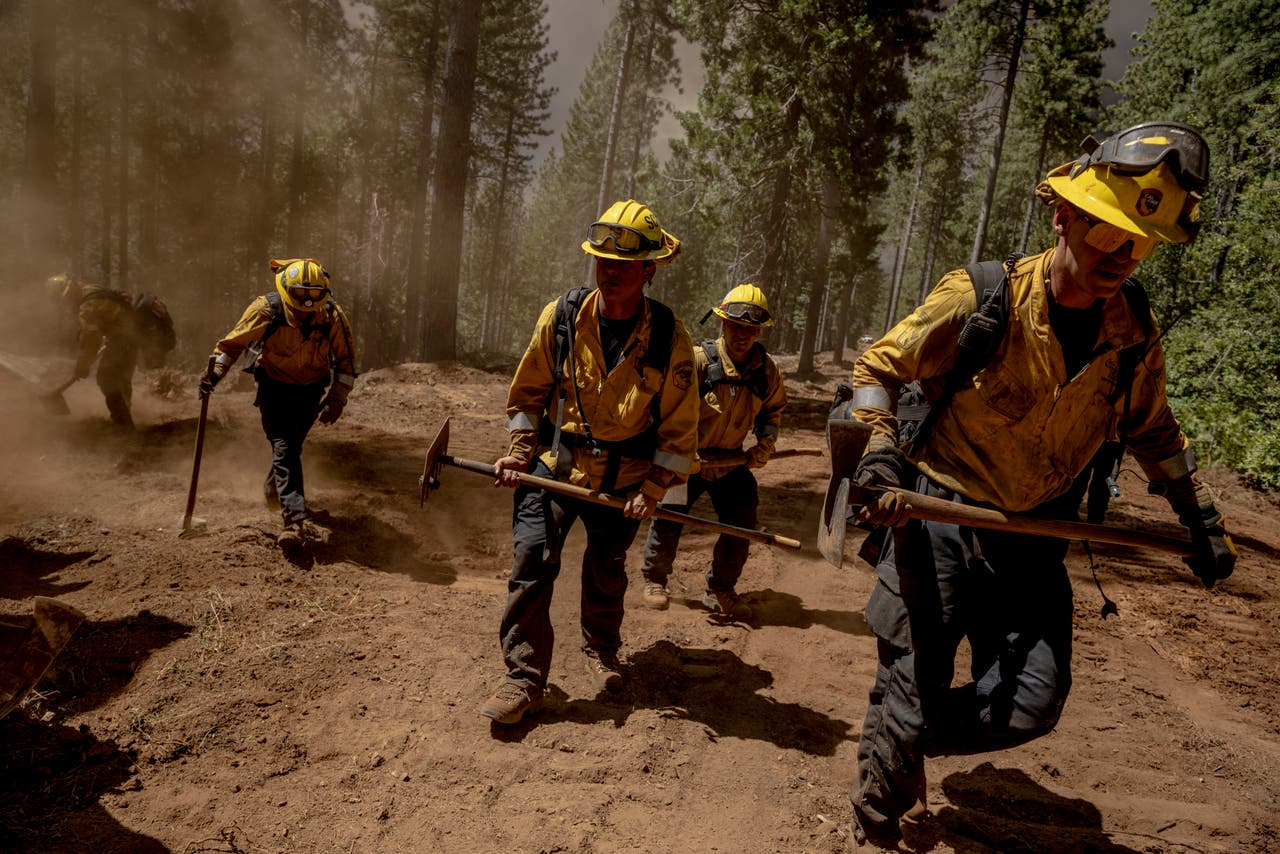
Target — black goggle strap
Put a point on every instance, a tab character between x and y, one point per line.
1186	155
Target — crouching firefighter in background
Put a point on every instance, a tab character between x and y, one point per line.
1013	435
299	341
603	398
742	394
111	324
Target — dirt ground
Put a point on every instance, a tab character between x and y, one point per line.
221	698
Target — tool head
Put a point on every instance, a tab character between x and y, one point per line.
847	440
193	526
430	478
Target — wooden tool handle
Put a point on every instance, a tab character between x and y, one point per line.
763	537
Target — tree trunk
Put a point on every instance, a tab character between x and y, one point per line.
122	188
821	263
75	166
993	167
775	225
1030	215
449	194
930	254
900	263
40	186
415	285
148	242
615	117
293	227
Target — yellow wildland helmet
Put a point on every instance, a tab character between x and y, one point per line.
628	231
746	303
302	283
1147	180
58	286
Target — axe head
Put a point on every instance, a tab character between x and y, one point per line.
431	467
846	440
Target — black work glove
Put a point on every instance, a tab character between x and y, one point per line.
332	410
211	378
886	467
840	405
1215	556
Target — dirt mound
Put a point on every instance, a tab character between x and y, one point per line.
223	698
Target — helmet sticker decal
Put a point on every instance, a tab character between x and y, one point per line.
1148	202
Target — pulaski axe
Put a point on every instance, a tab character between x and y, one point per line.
437	457
848	439
28	648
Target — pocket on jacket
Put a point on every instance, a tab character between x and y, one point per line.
1005	395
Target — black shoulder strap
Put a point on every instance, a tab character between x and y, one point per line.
276	305
715	370
979	338
757	382
662	331
1140	304
566	313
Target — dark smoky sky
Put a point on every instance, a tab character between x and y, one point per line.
577	26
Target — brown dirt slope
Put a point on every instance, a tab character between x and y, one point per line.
223	699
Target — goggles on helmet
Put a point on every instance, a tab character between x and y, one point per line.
624	238
307	295
745	311
1109	238
1144	147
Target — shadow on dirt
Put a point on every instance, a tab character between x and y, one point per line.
775	608
51	778
711	686
370	542
25	567
1002	809
102	658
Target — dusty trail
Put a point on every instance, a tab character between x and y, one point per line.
223	699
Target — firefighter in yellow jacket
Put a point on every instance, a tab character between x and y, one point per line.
107	327
605	398
742	394
300	342
1014	436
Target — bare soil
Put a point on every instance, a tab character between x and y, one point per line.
221	698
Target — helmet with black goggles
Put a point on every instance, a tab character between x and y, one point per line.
1145	182
629	231
302	283
745	303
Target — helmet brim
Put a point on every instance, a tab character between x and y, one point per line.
1067	190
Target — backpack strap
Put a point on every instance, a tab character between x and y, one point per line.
757	382
275	307
977	342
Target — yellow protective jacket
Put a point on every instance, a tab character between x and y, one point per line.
303	350
730	410
104	315
616	402
1020	431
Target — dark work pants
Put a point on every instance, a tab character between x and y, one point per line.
540	523
288	411
1010	596
736	498
115	377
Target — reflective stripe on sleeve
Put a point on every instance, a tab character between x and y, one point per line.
672	462
1177	466
524	421
872	397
